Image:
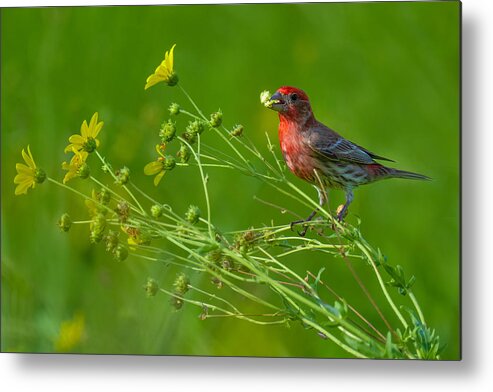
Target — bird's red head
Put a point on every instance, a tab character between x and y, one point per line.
292	103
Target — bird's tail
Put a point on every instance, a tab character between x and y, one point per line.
395	173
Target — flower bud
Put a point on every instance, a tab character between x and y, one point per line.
120	253
191	138
265	99
106	168
237	130
169	163
183	153
122	176
39	176
174	109
95	236
167	131
83	171
123	211
244	241
176	302
181	284
193	214
195	127
97	226
64	223
151	287
172	79
217	282
111	241
216	119
157	211
90	145
227	263
104	196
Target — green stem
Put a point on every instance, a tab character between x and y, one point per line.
418	308
204	182
382	283
103	161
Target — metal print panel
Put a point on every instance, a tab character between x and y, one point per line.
274	180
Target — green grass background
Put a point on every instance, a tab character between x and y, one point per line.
385	75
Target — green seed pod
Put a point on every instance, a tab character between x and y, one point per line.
157	211
151	287
183	154
172	79
181	284
64	223
111	241
167	131
174	109
97	227
39	176
104	196
176	302
237	130
193	214
120	253
106	168
195	127
122	176
191	138
169	162
123	211
216	119
95	236
84	171
90	145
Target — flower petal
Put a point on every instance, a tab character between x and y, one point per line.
170	59
98	128
158	178
153	168
84	129
28	158
23	187
77	140
20	178
152	80
92	125
23	169
70	174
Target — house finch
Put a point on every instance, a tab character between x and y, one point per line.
319	155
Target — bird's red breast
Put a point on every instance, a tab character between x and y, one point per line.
294	149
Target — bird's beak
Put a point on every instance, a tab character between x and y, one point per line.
278	102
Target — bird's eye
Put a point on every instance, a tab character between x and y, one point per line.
294	97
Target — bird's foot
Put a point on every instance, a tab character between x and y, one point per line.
341	213
301	233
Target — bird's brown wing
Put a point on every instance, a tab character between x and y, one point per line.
375	156
330	144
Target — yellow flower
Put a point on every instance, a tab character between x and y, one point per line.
77	166
160	166
86	141
27	175
71	333
164	72
154	168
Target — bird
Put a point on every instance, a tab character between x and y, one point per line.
319	155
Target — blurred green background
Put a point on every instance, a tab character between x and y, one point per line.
385	75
